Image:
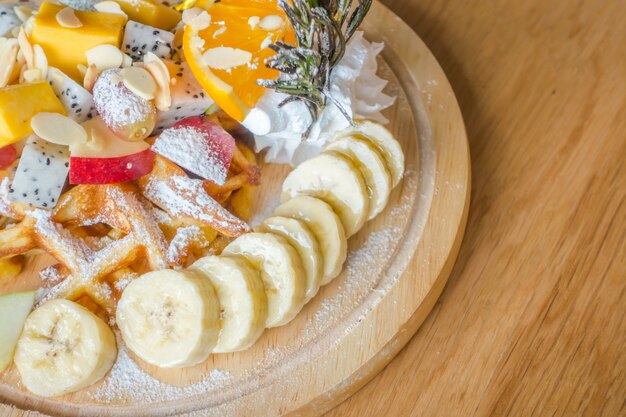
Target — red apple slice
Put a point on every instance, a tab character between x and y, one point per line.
8	154
107	159
199	146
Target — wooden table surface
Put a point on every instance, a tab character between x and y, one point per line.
533	319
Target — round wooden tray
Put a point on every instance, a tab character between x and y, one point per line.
397	267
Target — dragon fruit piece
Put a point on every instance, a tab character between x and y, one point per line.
8	18
85	5
41	173
188	98
77	101
140	39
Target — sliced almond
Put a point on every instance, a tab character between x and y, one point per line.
105	57
163	98
253	21
23	12
271	22
26	48
68	19
110	7
267	41
32	75
8	60
59	129
29	24
139	81
40	60
127	61
90	78
82	69
225	57
197	19
157	68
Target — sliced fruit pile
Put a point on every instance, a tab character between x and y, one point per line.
263	279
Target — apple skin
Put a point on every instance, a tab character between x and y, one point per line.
85	170
8	154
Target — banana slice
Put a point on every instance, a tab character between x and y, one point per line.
326	227
302	239
242	299
170	318
333	178
384	141
63	348
373	167
281	271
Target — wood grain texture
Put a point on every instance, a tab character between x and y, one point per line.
533	319
397	267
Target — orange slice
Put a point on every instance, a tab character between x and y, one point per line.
228	56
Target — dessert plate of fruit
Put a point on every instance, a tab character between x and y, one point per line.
217	207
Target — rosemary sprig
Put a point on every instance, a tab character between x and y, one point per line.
323	28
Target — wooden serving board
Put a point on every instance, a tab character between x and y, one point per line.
396	269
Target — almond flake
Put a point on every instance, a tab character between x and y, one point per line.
59	129
197	19
8	57
82	69
110	7
225	58
91	75
139	81
159	72
40	60
105	57
32	75
267	41
23	12
253	21
127	61
271	22
68	19
26	48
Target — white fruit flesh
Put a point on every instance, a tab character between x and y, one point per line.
281	271
325	225
170	318
373	168
302	239
14	308
333	178
41	173
242	299
384	141
102	143
63	348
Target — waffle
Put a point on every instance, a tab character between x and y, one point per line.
102	236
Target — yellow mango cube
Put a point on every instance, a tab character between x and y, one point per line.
151	13
65	47
19	103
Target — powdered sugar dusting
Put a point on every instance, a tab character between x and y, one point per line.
117	106
128	381
191	149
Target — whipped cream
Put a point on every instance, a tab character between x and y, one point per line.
354	84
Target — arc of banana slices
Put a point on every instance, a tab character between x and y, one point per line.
242	299
326	227
281	271
170	318
333	178
63	348
302	239
373	167
382	138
